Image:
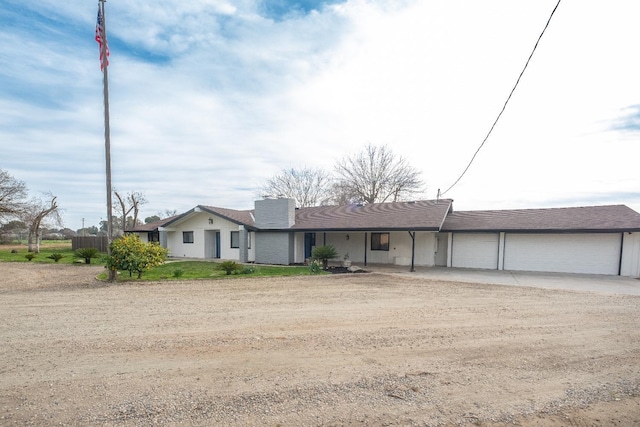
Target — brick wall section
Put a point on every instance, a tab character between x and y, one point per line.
274	248
244	245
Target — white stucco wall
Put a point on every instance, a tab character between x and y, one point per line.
202	223
354	245
399	247
144	237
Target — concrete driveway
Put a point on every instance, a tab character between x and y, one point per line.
574	282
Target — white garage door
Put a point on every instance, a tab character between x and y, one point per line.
564	253
475	250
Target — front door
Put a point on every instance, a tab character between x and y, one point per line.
217	244
309	243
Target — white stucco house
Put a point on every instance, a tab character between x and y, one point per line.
592	239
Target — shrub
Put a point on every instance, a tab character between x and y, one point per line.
178	272
314	267
87	254
324	254
29	257
56	256
248	269
129	253
229	267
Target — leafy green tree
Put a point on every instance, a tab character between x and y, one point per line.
13	226
131	254
324	254
152	218
87	231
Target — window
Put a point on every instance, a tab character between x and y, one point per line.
379	241
249	238
187	237
235	239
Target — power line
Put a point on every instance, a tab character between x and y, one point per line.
505	103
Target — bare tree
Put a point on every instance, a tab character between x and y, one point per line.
128	203
375	175
13	194
309	187
34	215
167	213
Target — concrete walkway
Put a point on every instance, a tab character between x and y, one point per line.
575	282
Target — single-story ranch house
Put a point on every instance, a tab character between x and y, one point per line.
593	239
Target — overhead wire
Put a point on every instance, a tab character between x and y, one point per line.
505	103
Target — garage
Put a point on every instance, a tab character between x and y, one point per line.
589	253
475	250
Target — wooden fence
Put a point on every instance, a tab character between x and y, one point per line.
98	242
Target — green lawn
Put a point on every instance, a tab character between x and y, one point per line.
46	251
171	270
189	270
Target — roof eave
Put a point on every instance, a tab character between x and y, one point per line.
543	230
349	229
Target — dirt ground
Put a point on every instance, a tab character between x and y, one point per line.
338	350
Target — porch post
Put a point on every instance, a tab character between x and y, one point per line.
365	249
413	250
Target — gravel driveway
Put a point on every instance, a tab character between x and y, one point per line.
358	349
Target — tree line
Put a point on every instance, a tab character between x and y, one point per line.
37	216
34	212
373	175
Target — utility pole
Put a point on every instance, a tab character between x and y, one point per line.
107	131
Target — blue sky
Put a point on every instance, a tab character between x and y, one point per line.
210	98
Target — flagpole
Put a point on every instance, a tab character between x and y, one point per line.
107	133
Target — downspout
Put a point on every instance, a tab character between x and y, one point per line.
413	250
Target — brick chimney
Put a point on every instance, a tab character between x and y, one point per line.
277	213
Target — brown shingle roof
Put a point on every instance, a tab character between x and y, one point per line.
589	218
435	215
152	226
418	215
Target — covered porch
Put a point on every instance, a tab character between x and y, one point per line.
382	247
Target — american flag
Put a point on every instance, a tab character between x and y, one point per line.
99	38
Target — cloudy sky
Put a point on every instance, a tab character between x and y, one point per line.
209	98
